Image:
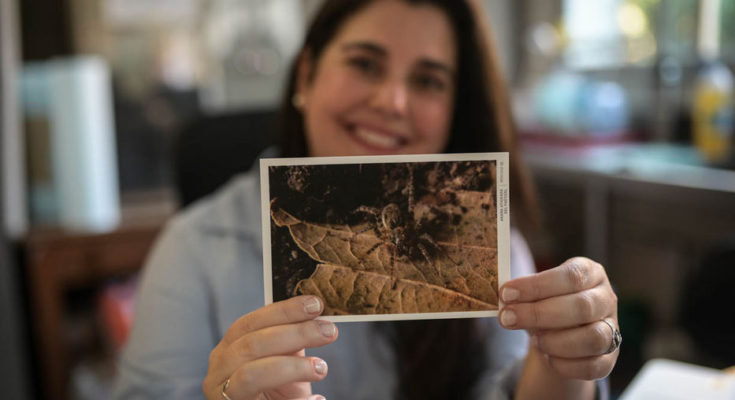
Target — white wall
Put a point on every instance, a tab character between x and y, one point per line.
500	13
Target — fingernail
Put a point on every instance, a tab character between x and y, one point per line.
508	318
327	328
320	366
510	294
318	397
312	306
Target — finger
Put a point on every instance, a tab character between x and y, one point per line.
272	372
589	340
293	390
588	369
279	340
295	309
560	312
574	275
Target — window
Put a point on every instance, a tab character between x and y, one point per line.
727	30
615	33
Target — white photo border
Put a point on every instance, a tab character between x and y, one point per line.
502	187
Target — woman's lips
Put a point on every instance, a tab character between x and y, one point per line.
377	139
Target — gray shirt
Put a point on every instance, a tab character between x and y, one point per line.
206	271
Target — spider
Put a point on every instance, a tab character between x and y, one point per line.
407	236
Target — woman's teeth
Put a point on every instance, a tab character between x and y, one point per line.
376	139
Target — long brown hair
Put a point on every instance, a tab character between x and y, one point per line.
435	359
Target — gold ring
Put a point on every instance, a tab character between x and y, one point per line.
224	388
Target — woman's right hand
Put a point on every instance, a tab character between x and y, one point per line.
262	354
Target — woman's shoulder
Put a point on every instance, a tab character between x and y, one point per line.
212	250
231	211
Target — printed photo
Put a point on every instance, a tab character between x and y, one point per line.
389	237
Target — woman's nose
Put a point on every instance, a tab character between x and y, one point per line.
391	98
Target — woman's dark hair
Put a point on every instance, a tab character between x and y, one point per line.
435	359
481	120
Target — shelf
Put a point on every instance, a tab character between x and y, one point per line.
59	261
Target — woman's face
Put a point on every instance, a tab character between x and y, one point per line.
383	85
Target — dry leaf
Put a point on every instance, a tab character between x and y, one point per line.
360	271
346	291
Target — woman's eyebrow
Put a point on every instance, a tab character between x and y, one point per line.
378	50
436	65
366	46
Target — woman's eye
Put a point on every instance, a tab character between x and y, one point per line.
429	82
365	65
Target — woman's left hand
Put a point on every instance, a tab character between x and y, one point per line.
564	310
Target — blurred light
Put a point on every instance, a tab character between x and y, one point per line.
670	71
545	39
632	20
642	49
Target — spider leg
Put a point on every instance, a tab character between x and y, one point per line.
393	264
375	227
425	253
371	211
367	228
373	248
410	190
436	246
367	210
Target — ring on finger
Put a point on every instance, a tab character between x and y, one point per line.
224	389
616	339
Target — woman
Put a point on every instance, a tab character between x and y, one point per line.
374	77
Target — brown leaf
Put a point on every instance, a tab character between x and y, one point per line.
360	263
346	291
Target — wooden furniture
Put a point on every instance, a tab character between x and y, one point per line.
647	212
58	260
650	213
596	182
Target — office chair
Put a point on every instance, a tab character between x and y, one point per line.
211	149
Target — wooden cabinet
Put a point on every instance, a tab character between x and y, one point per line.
649	219
58	261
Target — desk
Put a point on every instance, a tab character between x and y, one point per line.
661	172
662	379
58	260
649	213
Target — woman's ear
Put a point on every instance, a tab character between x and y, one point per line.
304	75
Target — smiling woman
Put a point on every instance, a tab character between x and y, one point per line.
373	77
384	85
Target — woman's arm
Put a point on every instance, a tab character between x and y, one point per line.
175	352
539	381
166	353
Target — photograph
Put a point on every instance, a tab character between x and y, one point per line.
388	237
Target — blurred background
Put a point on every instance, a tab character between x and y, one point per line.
116	113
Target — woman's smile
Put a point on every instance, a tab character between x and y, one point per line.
375	138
